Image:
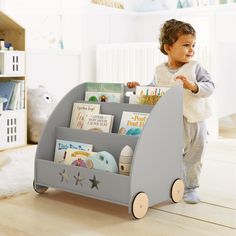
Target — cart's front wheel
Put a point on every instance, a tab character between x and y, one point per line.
39	189
177	190
140	205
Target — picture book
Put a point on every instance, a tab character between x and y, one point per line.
98	122
78	112
104	92
151	90
15	98
77	157
6	91
132	123
149	95
62	146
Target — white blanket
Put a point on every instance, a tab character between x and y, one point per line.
16	171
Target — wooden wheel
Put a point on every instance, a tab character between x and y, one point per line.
177	190
39	189
140	205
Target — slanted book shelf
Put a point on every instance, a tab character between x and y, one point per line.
156	169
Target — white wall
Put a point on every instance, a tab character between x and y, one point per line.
43	24
79	25
46	63
57	71
100	26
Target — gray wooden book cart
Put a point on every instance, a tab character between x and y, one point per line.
156	169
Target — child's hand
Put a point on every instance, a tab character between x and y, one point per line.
188	84
132	84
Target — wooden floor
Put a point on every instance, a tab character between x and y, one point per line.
60	213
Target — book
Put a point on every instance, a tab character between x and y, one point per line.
78	112
15	98
148	95
62	146
77	157
22	95
132	123
104	92
151	90
6	91
98	122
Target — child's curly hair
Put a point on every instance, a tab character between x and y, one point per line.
172	30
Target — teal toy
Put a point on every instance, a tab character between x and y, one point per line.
102	161
134	132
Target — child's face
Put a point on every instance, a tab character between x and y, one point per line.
182	50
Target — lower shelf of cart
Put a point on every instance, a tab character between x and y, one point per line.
87	182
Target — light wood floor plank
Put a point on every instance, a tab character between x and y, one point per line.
221	150
203	211
218	177
218	183
59	213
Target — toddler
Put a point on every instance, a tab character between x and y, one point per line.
177	41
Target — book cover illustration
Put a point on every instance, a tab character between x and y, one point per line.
62	146
77	157
149	95
98	122
78	112
6	91
104	92
132	123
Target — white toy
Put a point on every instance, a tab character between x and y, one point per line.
40	104
125	160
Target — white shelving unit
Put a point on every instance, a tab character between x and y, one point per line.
13	126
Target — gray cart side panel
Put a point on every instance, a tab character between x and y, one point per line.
59	117
158	155
110	142
111	187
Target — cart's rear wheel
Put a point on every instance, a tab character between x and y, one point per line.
39	189
177	190
140	205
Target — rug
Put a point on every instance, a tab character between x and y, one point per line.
17	171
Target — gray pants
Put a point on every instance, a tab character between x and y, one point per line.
194	147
